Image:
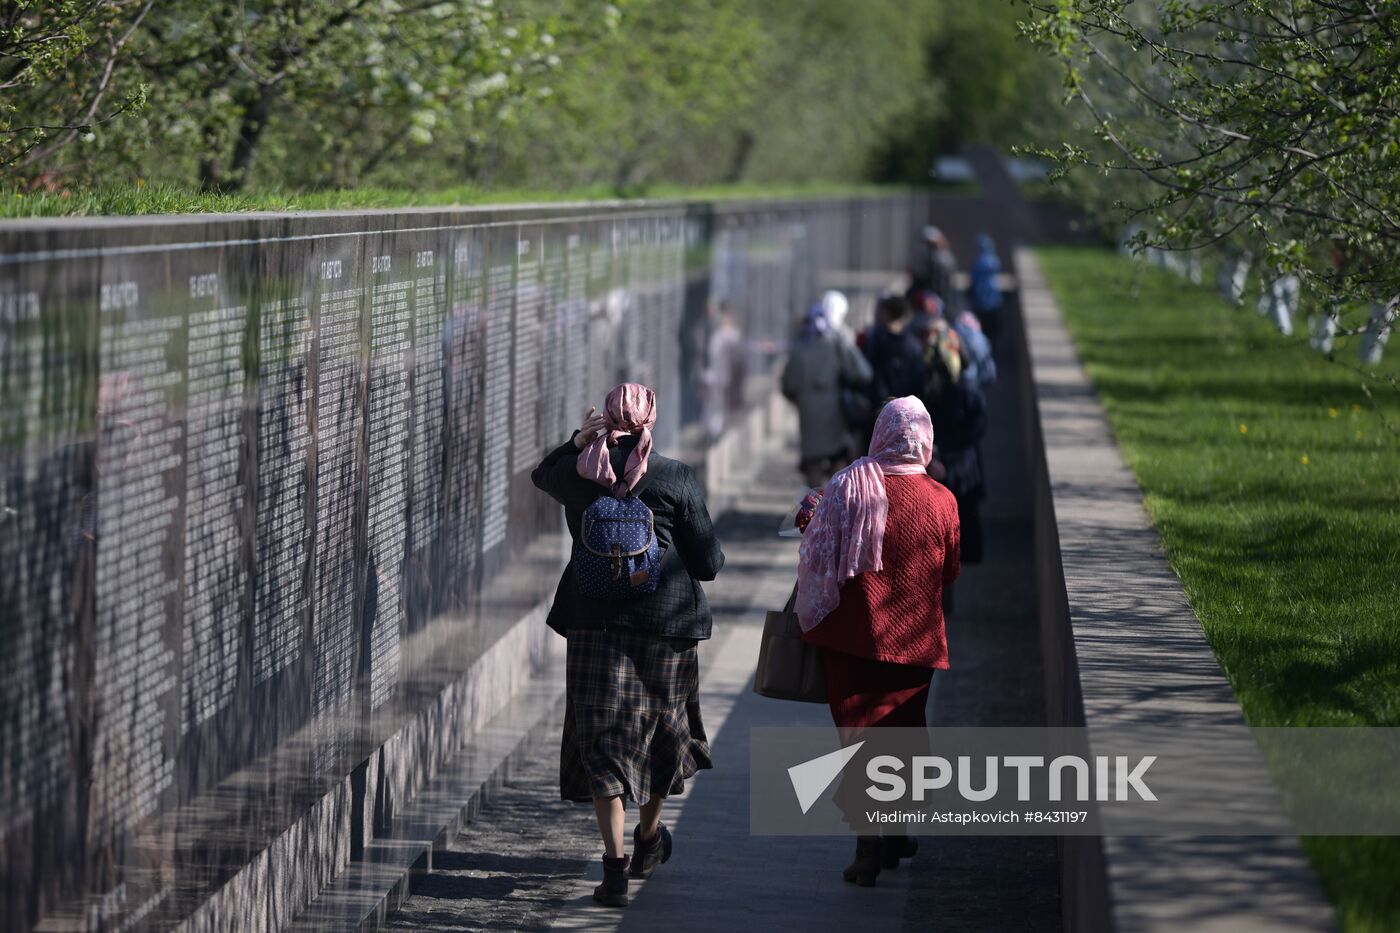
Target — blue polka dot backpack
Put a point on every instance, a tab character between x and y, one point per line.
616	555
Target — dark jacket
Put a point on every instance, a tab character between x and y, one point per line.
689	550
819	371
959	416
898	362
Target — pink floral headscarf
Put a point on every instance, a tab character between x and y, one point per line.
847	533
630	408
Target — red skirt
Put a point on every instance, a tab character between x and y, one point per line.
864	692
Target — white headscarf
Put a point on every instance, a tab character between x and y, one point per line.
835	305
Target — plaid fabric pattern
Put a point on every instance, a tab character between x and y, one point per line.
632	722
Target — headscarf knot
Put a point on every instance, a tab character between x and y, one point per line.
630	408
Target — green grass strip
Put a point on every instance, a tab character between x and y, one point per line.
136	199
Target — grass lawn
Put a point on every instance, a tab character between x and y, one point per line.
140	198
1274	481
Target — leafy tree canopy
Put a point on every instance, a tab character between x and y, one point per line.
1267	126
300	94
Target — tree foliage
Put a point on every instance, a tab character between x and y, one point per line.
623	102
301	94
991	87
59	65
1269	126
837	80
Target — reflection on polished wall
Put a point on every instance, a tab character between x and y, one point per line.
264	499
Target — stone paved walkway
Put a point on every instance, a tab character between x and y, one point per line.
992	883
530	861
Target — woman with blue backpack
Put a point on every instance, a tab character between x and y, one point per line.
631	606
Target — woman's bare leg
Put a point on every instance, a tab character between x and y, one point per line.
611	823
651	817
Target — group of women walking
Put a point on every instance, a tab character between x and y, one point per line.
933	345
879	554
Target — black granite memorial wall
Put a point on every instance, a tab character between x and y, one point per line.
264	497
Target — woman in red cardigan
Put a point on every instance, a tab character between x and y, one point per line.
875	559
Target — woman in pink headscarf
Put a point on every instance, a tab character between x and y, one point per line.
875	559
632	728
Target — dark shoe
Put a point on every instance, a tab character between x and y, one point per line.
894	848
613	891
647	855
867	864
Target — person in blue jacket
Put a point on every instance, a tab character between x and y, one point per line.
980	368
984	291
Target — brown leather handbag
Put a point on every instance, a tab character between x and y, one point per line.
788	667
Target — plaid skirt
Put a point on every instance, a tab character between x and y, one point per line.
632	720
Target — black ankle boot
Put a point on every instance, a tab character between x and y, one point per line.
613	891
894	848
867	864
647	855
